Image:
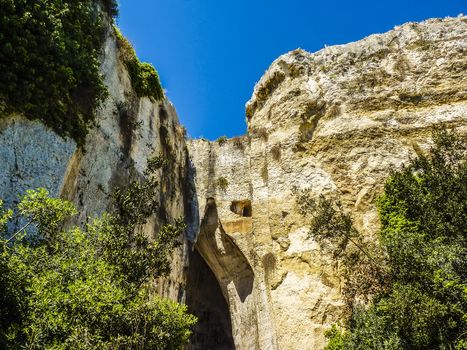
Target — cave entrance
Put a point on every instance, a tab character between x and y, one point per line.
205	300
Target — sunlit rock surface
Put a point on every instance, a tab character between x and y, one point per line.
336	121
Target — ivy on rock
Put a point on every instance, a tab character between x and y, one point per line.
49	62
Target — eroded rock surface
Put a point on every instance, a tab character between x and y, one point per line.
336	121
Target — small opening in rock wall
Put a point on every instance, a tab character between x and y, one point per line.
247	211
242	208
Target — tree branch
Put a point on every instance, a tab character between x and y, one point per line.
18	232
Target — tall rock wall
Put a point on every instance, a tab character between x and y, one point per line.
128	131
337	122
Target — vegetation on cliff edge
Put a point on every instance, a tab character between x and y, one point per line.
49	62
144	77
50	54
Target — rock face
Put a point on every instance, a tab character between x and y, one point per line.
336	122
129	130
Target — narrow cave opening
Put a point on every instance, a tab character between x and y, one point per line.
205	300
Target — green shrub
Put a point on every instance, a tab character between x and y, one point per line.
89	288
362	264
222	140
423	217
337	338
144	78
49	63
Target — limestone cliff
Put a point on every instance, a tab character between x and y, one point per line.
336	121
128	131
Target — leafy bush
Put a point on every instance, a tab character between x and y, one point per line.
423	216
144	78
139	258
49	62
89	288
363	264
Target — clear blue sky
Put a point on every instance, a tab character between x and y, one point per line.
210	53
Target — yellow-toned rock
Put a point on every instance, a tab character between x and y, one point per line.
337	122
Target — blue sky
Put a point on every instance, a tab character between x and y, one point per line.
209	53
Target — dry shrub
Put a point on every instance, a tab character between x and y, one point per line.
276	151
238	143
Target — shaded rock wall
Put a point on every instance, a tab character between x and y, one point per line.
129	130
